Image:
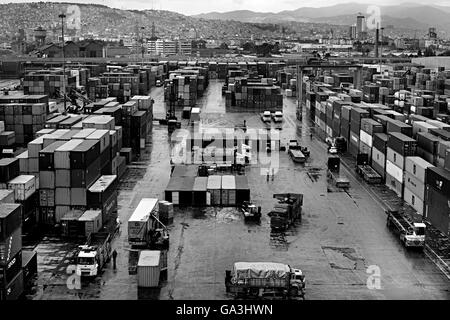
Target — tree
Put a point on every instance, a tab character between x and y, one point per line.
224	46
429	52
248	46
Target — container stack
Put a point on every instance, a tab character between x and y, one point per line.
399	147
48	82
415	182
368	128
11	284
438	197
356	116
379	153
255	97
25	193
22	117
102	195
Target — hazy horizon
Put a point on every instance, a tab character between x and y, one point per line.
192	7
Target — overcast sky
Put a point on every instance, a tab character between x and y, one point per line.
189	7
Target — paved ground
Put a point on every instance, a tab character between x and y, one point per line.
341	234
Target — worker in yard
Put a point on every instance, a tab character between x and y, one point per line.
268	173
273	174
114	255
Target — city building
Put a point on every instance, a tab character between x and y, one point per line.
352	32
361	27
185	47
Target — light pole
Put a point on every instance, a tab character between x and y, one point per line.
62	16
142	43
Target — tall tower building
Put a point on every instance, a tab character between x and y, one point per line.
360	26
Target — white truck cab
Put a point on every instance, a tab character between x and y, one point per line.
266	116
278	116
87	265
416	235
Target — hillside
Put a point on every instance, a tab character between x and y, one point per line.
99	20
414	16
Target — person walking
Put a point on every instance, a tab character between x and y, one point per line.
268	173
273	174
114	256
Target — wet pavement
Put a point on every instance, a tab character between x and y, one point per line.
340	236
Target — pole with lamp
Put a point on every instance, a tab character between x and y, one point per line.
63	16
142	45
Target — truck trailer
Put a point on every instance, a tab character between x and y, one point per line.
263	279
286	211
94	255
144	228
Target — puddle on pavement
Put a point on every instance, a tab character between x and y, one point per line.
344	258
132	177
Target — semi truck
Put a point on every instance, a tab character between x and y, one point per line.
144	228
334	175
94	255
286	211
412	234
365	171
262	279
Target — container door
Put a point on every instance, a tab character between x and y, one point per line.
175	198
208	198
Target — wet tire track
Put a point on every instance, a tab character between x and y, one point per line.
177	261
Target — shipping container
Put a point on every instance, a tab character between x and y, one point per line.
84	154
379	162
394	185
24	186
91	222
47	156
417	167
402	144
214	192
439	179
71	227
415	185
10	245
394	171
371	126
149	269
420	126
9	169
29	267
437	210
6	196
398	126
62	154
200	190
228	189
13	290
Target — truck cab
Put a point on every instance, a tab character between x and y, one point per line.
266	116
415	236
298	280
87	262
278	117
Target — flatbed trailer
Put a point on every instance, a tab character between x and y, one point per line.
369	174
412	234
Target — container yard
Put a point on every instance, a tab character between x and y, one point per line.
167	176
